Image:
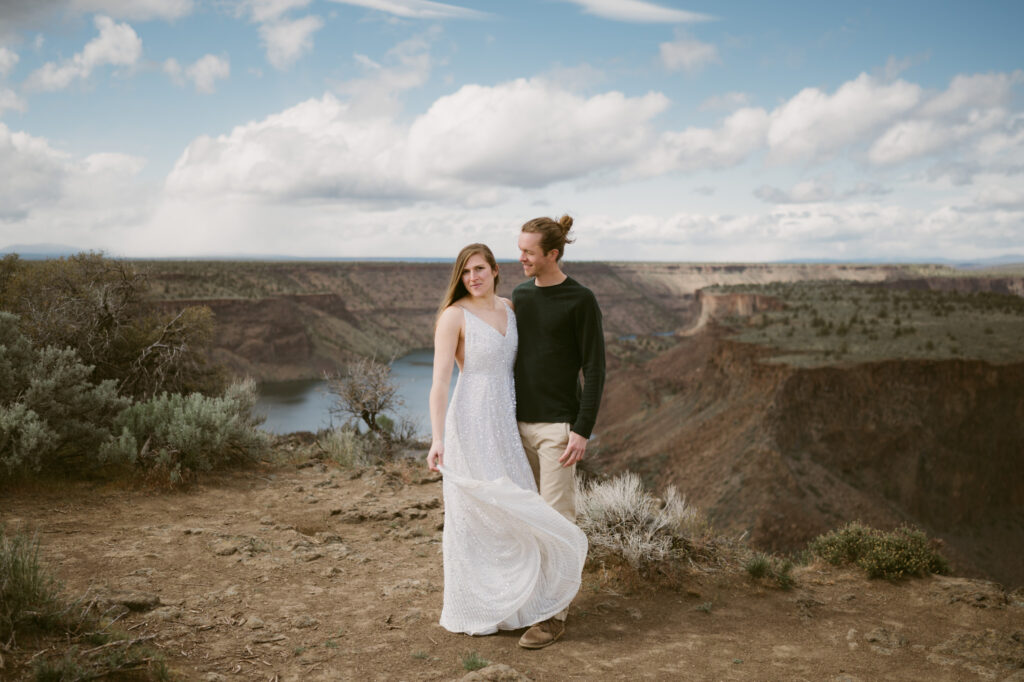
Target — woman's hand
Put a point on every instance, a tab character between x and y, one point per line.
435	458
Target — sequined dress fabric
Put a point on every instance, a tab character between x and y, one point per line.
510	560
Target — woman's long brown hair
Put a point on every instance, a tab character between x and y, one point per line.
456	289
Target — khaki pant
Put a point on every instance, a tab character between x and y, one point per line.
544	443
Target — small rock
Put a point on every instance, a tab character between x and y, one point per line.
165	613
496	672
331	571
231	591
266	521
254	623
193	531
136	601
214	677
225	549
304	622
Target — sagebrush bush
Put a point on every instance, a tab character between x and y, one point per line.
53	416
349	448
98	307
625	522
180	435
882	554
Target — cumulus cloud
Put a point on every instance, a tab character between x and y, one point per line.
637	11
416	9
407	66
806	191
972	108
687	54
727	101
116	45
9	99
466	148
269	10
814	125
207	70
141	10
39	177
8	60
741	134
286	40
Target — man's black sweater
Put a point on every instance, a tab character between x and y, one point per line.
559	334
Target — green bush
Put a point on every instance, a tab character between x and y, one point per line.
349	448
180	435
27	591
53	417
98	307
778	570
902	552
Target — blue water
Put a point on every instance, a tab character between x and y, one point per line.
306	405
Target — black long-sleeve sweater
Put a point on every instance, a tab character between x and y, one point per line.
559	334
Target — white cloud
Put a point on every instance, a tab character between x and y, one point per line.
408	67
973	107
814	125
141	10
8	60
741	134
207	70
286	40
528	133
687	54
41	180
9	99
638	11
806	191
469	147
116	45
416	9
270	10
173	69
727	101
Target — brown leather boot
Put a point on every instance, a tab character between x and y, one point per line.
542	634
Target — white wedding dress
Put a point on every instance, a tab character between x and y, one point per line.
510	560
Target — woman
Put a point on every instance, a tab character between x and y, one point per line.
510	560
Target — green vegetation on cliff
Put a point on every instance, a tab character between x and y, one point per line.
820	323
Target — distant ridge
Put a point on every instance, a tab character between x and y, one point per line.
41	251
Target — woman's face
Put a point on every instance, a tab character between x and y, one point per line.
477	276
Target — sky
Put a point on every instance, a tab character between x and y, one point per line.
670	131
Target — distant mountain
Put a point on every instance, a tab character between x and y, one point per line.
909	260
41	251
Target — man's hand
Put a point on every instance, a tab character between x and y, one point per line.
574	451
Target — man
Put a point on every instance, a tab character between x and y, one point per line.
559	336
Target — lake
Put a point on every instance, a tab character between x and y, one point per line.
306	405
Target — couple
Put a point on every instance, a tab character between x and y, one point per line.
513	557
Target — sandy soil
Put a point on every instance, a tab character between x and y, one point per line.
313	573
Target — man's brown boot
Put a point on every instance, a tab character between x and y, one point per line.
542	634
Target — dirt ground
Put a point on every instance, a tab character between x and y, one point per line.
313	573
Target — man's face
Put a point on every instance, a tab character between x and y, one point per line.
531	255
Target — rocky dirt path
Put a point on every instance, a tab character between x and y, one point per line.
315	573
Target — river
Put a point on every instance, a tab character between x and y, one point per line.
306	405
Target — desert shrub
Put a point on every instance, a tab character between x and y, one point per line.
347	447
882	554
625	523
474	661
98	307
28	593
365	391
53	417
761	565
32	600
177	435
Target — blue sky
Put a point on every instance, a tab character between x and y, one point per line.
674	130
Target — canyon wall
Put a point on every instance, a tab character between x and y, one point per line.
288	320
